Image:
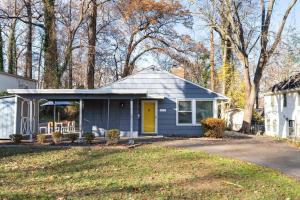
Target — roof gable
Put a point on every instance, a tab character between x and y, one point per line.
162	82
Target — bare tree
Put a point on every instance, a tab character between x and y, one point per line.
51	79
28	65
243	39
91	44
1	51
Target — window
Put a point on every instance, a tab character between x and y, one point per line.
191	112
284	100
291	123
185	114
204	109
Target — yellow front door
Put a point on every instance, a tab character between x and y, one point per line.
149	117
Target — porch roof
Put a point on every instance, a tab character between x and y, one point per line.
68	94
78	91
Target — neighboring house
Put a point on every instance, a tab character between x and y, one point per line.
149	102
282	108
8	107
10	81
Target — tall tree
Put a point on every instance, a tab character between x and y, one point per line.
1	51
91	45
243	40
51	79
212	60
149	26
28	56
11	48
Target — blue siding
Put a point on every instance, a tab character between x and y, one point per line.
7	111
95	114
171	88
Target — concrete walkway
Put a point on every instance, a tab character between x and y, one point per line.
261	150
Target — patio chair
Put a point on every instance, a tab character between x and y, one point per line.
50	127
71	126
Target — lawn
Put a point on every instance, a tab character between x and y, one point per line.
147	172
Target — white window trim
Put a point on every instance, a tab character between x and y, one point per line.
194	100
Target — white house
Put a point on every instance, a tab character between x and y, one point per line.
282	109
10	81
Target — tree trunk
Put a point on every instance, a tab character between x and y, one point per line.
70	75
92	45
28	65
70	78
11	54
51	72
248	110
212	61
1	52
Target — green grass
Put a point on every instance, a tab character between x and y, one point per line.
147	172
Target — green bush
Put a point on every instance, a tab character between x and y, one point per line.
89	137
113	136
213	127
56	136
16	138
41	138
73	137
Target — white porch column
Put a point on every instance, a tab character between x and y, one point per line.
31	120
16	115
80	118
131	116
215	109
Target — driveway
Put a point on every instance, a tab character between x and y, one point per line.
261	150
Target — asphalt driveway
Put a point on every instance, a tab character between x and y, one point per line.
261	150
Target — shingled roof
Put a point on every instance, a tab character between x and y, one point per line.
293	82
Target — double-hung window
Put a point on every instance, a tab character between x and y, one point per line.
204	109
185	113
192	111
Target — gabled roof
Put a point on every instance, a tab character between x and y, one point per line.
151	82
158	77
292	83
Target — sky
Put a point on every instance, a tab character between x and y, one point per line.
200	32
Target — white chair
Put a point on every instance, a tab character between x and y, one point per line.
71	126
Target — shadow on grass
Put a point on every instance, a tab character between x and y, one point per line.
8	151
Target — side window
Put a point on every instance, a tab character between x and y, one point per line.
284	100
204	109
184	113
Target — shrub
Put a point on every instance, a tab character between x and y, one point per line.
41	138
56	136
16	138
113	136
213	127
73	137
89	137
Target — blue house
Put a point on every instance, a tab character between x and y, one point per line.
149	102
